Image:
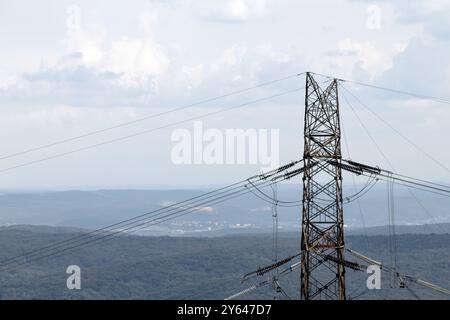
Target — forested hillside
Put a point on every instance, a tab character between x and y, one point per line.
132	267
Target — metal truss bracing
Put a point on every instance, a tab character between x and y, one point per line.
322	219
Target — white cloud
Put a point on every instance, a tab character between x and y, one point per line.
94	72
365	54
7	80
148	21
195	74
68	82
136	59
230	10
85	40
245	9
230	57
89	47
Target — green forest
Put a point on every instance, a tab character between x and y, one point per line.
137	267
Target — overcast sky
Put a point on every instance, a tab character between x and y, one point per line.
70	67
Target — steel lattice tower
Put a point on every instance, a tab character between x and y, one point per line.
322	243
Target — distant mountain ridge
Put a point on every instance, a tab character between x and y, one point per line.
439	228
98	208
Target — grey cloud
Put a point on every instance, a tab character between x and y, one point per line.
70	82
77	86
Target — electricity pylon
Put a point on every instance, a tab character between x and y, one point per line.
322	243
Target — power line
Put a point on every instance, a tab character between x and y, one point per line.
392	234
424	181
354	189
401	177
271	200
123	124
359	294
132	228
412	185
130	220
397	131
119	228
434	188
429	185
264	283
416	95
402	277
402	180
238	185
180	210
367	132
150	130
390	181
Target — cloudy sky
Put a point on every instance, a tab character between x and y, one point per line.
72	67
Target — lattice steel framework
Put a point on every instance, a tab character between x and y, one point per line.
322	243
